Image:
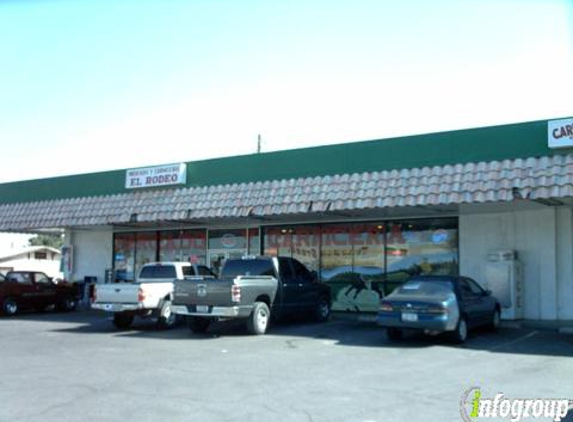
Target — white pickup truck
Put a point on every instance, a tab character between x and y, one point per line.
149	296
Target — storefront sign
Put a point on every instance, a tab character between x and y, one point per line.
229	240
171	174
560	133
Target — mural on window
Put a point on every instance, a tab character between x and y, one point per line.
363	262
353	265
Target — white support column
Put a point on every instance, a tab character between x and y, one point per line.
564	263
68	242
548	265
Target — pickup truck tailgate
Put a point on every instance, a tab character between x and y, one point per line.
203	292
116	293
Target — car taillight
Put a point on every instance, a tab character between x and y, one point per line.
235	293
140	295
386	307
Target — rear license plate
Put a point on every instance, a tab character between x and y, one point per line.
203	309
409	317
116	307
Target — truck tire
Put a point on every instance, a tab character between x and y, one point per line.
258	321
166	318
67	304
9	306
322	310
122	321
199	325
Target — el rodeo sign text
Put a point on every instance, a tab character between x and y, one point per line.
171	174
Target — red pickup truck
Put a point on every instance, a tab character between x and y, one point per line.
34	290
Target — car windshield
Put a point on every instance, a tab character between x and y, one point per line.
426	287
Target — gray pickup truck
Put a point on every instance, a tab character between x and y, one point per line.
253	289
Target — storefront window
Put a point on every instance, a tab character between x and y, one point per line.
300	242
183	246
353	265
254	242
146	249
231	243
194	246
421	247
124	256
170	246
306	246
361	262
278	241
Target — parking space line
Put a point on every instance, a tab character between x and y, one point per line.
520	339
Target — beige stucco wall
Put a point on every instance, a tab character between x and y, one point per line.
92	250
543	239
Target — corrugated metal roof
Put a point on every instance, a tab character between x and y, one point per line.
494	181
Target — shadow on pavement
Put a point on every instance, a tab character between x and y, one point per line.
342	332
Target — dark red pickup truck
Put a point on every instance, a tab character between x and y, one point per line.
34	290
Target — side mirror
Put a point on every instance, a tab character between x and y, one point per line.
314	276
487	293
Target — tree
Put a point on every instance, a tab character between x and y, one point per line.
53	241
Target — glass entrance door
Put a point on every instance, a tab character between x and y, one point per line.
217	257
231	243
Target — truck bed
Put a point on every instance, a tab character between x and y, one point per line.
214	297
117	293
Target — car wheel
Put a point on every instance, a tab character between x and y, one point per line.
166	318
460	335
9	306
122	321
495	320
68	304
322	310
258	321
199	325
394	334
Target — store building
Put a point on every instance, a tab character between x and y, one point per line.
364	215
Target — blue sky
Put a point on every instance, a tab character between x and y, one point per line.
92	85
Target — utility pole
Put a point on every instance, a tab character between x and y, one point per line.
259	144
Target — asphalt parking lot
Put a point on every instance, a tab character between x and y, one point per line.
77	367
